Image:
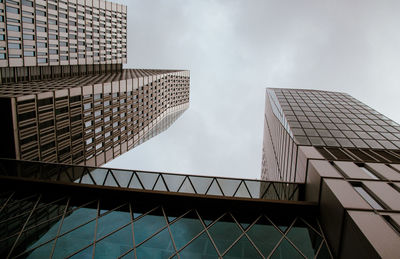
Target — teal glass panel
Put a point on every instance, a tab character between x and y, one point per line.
282	222
147	226
312	223
129	255
54	225
115	244
86	253
305	239
264	235
242	249
244	225
201	247
77	218
324	252
286	250
42	251
170	219
159	246
184	230
224	233
111	221
14	217
74	240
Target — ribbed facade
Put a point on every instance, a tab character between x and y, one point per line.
47	37
92	119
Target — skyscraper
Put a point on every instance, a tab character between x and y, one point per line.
348	156
65	95
89	119
41	39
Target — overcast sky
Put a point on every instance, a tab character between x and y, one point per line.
235	49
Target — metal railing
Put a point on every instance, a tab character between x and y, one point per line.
153	181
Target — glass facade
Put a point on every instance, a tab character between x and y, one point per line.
338	125
333	119
348	157
66	227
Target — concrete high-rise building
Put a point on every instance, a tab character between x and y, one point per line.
89	119
40	39
65	95
348	156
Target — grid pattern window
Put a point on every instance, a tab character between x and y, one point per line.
93	119
332	119
64	32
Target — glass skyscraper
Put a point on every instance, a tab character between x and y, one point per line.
348	156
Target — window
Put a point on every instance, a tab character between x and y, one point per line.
97	113
367	171
41	29
52	7
29	53
42	45
42	60
40	13
14	38
28	37
10	9
27	20
27	3
13	28
14	46
51	21
88	123
87	106
368	198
